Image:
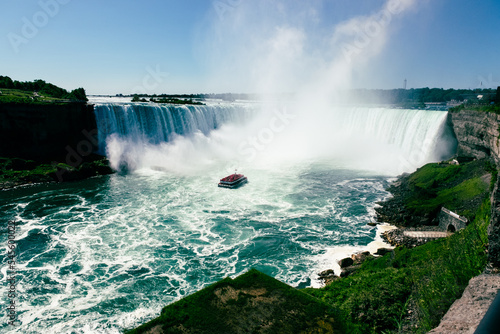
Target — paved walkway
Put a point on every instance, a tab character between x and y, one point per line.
426	234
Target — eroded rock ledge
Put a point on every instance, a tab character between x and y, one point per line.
466	313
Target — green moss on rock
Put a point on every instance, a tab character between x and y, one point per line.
250	303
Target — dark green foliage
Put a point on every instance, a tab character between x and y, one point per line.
175	101
484	107
371	298
492	169
6	82
16	171
42	88
77	94
416	97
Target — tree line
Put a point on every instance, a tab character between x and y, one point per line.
43	88
421	95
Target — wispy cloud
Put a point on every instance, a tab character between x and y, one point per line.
283	46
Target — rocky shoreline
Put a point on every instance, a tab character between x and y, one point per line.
349	265
349	262
15	172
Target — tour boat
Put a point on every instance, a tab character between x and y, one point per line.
233	181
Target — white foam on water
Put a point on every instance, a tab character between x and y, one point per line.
332	255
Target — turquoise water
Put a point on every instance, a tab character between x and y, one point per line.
107	253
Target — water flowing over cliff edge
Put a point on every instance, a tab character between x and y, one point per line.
383	139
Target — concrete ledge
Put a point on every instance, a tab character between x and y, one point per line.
465	313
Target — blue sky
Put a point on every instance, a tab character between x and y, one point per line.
195	46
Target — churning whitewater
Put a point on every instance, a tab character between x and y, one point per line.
106	254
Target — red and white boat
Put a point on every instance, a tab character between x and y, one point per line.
233	181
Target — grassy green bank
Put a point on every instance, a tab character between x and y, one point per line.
405	291
411	289
418	198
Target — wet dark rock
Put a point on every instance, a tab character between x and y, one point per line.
383	251
349	270
327	276
326	273
359	258
346	262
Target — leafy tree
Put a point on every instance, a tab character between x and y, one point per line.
78	94
6	82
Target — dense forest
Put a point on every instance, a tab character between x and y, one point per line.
43	88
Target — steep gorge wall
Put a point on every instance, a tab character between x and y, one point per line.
45	131
478	136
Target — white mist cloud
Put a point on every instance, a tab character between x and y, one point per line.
281	46
272	47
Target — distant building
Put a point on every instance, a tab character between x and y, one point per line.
454	103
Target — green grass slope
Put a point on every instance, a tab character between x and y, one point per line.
418	197
410	290
250	303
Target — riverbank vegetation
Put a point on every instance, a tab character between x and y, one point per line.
166	99
418	198
409	290
37	91
493	108
16	171
489	104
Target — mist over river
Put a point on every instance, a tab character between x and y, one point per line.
107	253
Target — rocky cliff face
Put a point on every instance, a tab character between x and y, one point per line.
46	131
478	136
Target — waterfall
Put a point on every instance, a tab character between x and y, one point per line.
384	139
418	136
155	124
